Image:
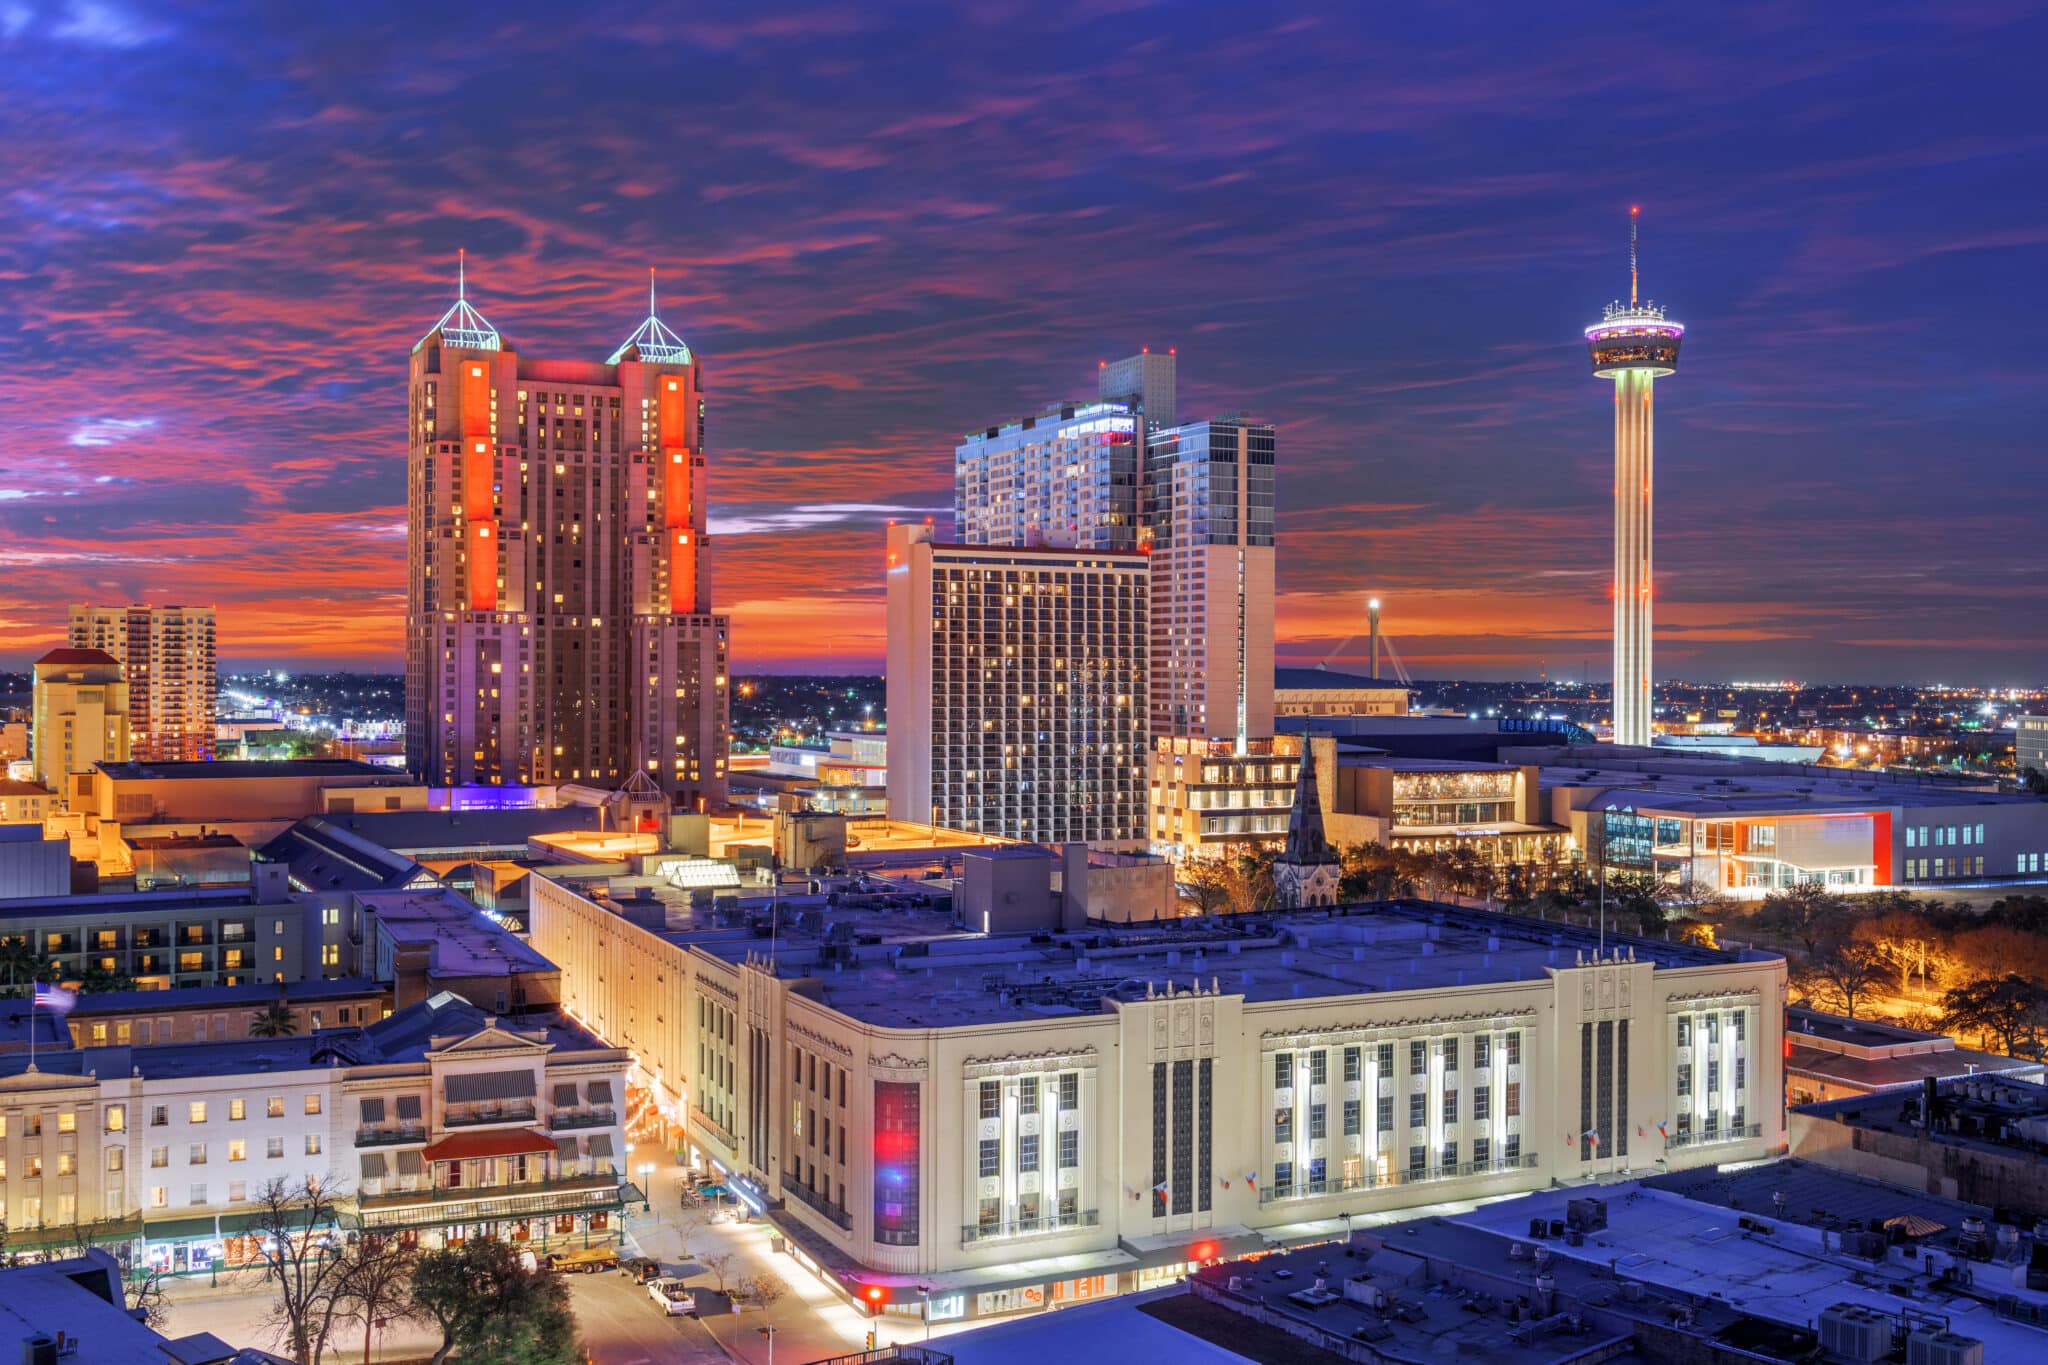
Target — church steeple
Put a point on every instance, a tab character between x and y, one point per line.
1307	871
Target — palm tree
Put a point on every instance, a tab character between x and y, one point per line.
95	980
274	1020
17	959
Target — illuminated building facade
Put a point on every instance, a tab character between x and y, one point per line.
1209	501
1016	689
1209	799
78	716
560	626
166	655
1067	476
1038	1124
1633	345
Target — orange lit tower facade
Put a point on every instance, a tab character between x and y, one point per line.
1633	344
559	608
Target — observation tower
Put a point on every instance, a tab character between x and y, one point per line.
1633	344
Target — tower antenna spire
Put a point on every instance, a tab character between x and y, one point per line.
1633	211
461	273
650	291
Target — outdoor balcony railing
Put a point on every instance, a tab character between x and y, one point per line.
489	1113
817	1203
1704	1137
1029	1227
1316	1189
391	1135
566	1119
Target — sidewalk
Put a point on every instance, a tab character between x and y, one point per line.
811	1321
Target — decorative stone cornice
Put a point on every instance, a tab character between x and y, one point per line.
1713	999
1399	1030
891	1061
1019	1064
717	986
820	1039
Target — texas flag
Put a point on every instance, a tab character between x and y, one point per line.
49	997
1592	1136
1251	1178
1663	1129
1160	1189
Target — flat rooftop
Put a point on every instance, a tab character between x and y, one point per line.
1984	1114
253	996
1354	758
884	967
402	1037
466	941
195	901
1680	1239
1904	1069
230	770
1326	680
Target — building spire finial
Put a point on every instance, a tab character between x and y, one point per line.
1634	210
461	273
650	300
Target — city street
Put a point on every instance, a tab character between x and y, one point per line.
615	1317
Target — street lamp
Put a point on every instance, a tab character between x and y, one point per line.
926	1291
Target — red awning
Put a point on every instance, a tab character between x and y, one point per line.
499	1142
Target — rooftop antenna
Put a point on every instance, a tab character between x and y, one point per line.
650	291
461	273
1634	211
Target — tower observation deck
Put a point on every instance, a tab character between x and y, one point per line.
1633	344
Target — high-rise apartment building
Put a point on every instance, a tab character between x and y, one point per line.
79	716
1067	476
166	654
1209	501
1016	689
559	610
1145	381
1118	474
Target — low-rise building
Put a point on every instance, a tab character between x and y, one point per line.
1777	1261
31	866
1319	692
1830	1057
1746	828
428	941
221	1013
236	791
1208	799
437	1123
75	1311
224	936
1983	1139
25	803
999	1114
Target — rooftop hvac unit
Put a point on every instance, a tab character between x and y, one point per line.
1934	1346
1855	1333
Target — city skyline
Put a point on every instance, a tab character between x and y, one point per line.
1388	248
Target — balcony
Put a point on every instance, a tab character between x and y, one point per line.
564	1120
478	1116
534	1198
1714	1136
818	1204
1321	1189
1029	1227
390	1135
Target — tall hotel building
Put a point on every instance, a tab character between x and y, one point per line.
1016	689
559	610
166	656
1209	491
1118	474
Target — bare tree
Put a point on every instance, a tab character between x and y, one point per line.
294	1223
1843	974
719	1265
376	1285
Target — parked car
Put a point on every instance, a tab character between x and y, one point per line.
584	1262
674	1297
641	1268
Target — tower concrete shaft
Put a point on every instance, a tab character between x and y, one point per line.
1634	479
1633	344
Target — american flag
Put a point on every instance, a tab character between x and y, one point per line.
51	997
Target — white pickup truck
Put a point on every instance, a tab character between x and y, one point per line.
674	1297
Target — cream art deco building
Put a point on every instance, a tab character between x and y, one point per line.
1012	1121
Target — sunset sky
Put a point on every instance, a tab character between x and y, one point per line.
1382	228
